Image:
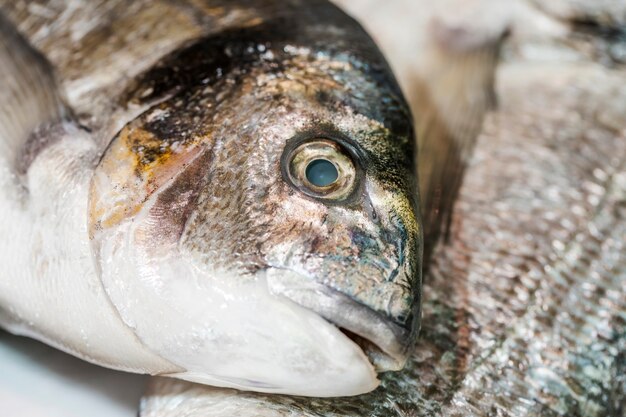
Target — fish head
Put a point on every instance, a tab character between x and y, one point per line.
262	232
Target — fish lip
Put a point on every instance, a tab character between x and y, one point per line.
386	344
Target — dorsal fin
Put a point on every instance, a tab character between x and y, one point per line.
453	92
29	97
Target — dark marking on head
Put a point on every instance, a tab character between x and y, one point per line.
322	30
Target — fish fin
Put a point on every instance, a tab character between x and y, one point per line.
29	96
452	92
176	398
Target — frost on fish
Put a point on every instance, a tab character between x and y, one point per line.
524	309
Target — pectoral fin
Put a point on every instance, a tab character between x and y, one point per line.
168	397
29	97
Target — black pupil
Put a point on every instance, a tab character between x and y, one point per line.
321	172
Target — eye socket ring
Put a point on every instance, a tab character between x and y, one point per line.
323	169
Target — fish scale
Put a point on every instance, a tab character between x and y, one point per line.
526	357
569	266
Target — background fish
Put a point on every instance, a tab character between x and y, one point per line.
220	191
524	306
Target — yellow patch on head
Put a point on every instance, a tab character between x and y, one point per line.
135	165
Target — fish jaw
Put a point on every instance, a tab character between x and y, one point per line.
296	352
227	329
386	344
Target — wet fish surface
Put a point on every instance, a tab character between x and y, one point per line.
524	305
219	191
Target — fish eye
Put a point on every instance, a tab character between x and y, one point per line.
321	172
322	168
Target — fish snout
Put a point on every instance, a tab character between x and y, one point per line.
386	343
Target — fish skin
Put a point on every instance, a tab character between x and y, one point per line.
524	308
183	119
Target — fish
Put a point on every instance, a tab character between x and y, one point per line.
524	306
222	192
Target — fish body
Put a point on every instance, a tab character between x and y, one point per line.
168	209
524	302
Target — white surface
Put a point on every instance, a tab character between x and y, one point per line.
39	381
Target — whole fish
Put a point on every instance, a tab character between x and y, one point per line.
524	302
219	191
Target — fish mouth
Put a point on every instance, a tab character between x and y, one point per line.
385	343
